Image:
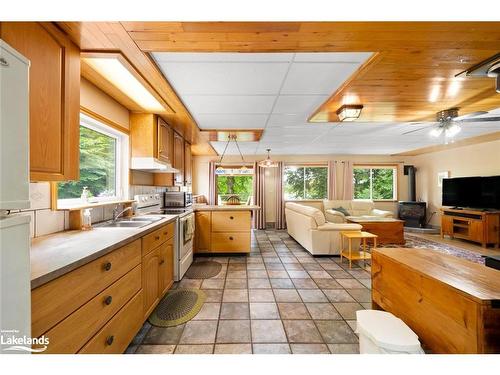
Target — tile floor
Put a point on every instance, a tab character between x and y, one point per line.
278	299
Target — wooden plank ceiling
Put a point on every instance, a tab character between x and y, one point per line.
411	77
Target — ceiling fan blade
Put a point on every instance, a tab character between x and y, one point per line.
469	115
481	119
416	130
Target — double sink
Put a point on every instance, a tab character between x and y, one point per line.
133	222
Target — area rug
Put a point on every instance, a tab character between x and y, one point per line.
204	269
413	241
177	307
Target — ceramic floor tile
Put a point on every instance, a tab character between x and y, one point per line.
213	295
277	274
213	284
190	283
351	284
257	274
347	309
304	284
309	349
328	284
361	295
268	331
344	348
233	331
282	283
271	349
236	284
323	311
319	275
340	274
338	295
264	310
302	331
209	311
236	275
261	295
312	295
298	274
194	349
233	349
155	349
293	310
199	332
235	295
255	267
259	284
336	332
235	310
160	335
286	295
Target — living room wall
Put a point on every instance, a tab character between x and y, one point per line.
481	159
200	176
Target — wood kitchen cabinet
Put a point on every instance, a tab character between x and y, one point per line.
179	159
203	223
166	266
188	165
151	280
54	85
151	136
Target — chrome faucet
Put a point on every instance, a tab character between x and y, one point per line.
117	214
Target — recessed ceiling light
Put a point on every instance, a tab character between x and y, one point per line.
119	75
349	112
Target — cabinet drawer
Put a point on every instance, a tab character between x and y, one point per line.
74	331
55	300
156	238
230	221
115	336
231	242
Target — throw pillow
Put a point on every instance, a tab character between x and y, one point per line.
342	210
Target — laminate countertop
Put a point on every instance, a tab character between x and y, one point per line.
57	254
209	207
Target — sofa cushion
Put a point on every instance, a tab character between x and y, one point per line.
316	214
330	204
342	210
361	207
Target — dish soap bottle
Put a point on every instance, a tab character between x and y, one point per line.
86	220
85	195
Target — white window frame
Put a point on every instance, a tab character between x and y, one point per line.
305	166
394	181
122	165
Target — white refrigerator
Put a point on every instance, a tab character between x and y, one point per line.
15	307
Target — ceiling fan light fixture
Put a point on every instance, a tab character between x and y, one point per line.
349	112
268	162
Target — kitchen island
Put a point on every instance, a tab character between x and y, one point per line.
223	229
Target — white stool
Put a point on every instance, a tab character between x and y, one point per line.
381	332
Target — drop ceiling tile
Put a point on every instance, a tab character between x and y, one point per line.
357	57
231	121
280	120
221	57
225	78
316	78
230	104
298	104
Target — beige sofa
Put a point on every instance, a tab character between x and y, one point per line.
308	226
358	207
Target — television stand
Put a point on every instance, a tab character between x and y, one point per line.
472	225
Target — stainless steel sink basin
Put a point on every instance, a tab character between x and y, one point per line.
145	218
126	224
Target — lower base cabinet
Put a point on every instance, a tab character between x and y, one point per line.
166	267
150	280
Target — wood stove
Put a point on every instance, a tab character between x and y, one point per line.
413	213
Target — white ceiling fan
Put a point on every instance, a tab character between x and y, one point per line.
448	123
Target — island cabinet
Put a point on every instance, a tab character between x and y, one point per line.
54	98
223	231
100	306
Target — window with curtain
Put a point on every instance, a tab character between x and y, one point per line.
375	182
302	182
234	181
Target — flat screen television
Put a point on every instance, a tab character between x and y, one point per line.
472	192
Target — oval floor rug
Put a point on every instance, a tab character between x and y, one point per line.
203	269
177	307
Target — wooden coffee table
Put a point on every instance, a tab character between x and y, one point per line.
388	230
356	254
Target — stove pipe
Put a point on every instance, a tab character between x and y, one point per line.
409	170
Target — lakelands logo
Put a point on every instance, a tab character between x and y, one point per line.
11	341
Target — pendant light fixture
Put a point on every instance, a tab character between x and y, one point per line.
268	162
229	138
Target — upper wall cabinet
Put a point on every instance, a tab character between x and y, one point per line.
150	136
188	165
179	159
54	85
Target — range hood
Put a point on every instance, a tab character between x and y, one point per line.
153	165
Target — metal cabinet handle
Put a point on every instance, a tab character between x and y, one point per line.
3	62
157	238
107	266
110	340
231	238
165	233
231	217
108	300
162	261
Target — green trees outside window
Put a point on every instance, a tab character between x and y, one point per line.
235	184
374	183
305	182
97	166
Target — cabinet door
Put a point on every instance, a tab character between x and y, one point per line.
165	139
203	221
188	164
476	232
166	267
179	159
447	225
54	98
150	280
